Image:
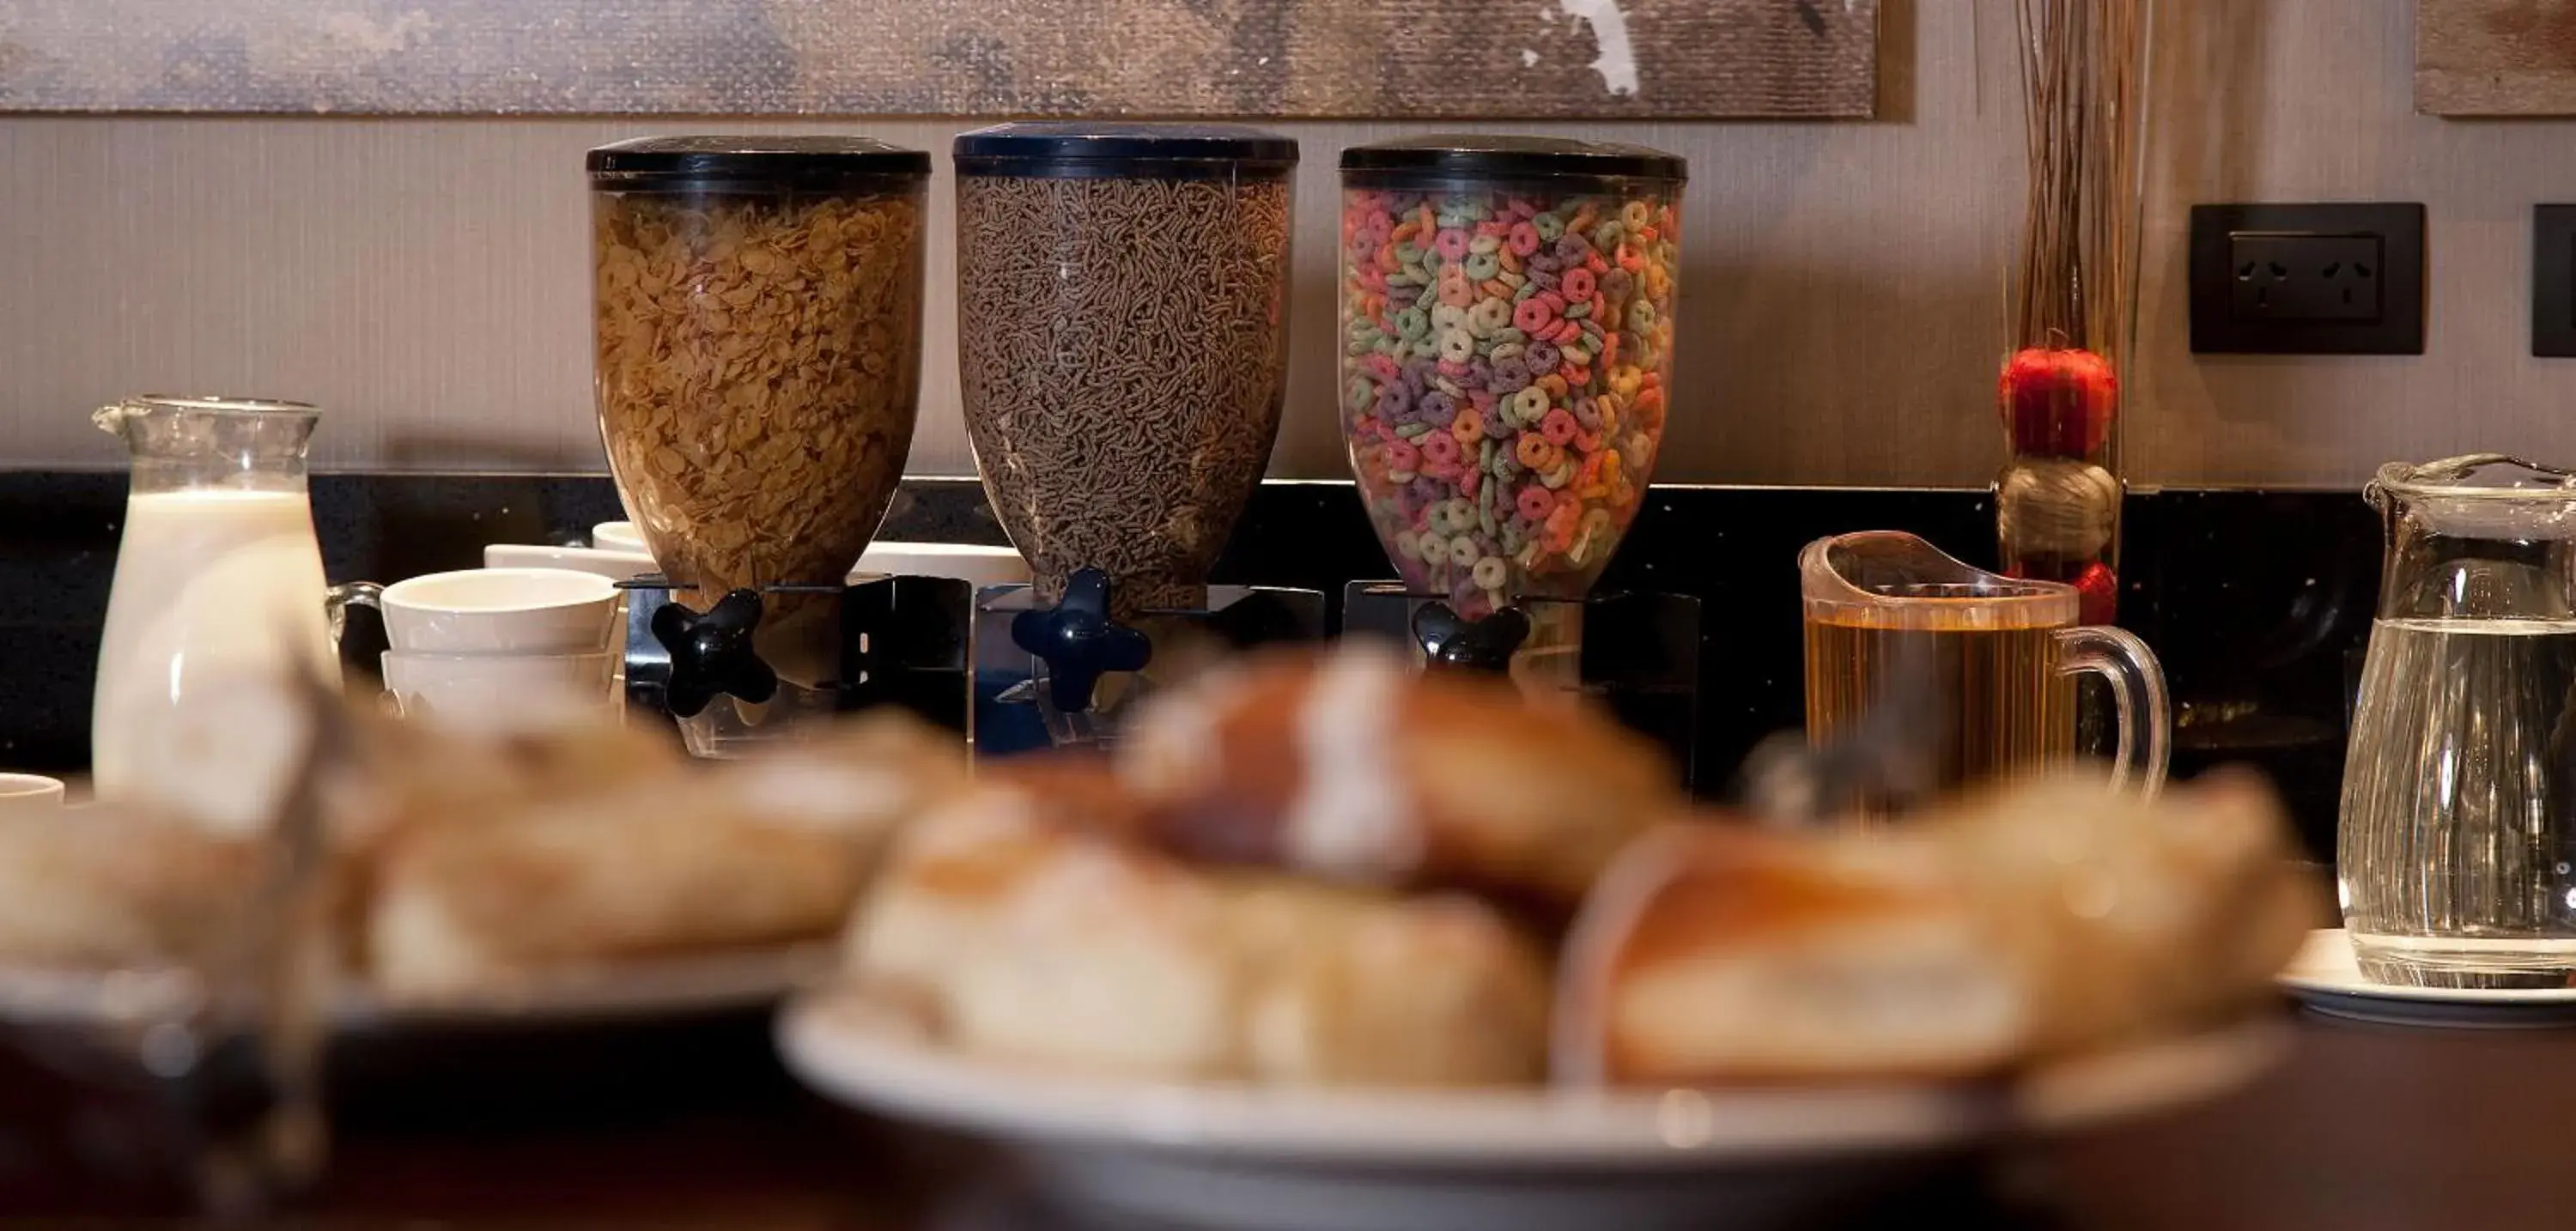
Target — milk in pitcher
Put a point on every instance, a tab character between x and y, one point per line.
216	588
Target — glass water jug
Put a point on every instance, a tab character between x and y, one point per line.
2456	852
218	581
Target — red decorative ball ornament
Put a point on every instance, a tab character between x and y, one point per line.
2057	403
2097	591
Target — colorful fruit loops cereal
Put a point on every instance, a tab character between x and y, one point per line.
1503	381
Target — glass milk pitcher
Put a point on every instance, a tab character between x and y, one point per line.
218	580
2456	853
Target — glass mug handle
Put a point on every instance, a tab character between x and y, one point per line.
337	601
2138	698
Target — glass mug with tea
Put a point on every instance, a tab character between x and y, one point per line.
1969	675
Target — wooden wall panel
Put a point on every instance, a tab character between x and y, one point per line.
2495	57
1301	58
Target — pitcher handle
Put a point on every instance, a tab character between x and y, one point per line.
337	600
2138	698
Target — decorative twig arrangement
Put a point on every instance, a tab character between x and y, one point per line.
2083	68
2072	297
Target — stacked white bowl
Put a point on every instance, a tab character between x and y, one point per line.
499	649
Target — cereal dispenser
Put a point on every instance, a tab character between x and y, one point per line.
1122	338
757	304
1507	337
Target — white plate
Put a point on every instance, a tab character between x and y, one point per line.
1238	1156
624	991
2325	977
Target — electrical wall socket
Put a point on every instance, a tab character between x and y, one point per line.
2553	280
2296	277
2332	279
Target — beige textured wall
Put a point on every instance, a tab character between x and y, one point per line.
425	280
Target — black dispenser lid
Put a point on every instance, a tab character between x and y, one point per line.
1453	157
1077	149
652	161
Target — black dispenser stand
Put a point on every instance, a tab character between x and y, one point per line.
1052	660
904	641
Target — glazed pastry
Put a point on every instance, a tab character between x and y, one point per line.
1017	930
2041	919
1352	767
1719	954
112	886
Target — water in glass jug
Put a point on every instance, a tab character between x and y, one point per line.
2456	853
218	581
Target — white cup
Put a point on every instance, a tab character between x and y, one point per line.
29	792
497	611
501	692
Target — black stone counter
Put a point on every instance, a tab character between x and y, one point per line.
2259	602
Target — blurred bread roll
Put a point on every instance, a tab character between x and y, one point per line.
480	859
2048	917
393	774
2133	914
481	902
116	885
1361	989
1018	930
870	776
1352	766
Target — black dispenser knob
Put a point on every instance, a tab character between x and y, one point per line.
711	653
1455	642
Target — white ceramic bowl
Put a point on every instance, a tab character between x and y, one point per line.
501	611
617	536
500	692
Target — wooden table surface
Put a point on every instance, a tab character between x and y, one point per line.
2361	1127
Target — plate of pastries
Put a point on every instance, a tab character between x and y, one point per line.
587	873
1325	942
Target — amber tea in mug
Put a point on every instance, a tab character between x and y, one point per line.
1986	664
2004	697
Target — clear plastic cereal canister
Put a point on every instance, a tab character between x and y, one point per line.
756	304
1507	330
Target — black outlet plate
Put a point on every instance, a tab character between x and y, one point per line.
2315	279
2553	280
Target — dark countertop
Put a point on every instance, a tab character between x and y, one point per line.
2258	602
